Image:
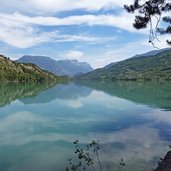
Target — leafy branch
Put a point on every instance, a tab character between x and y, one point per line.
87	158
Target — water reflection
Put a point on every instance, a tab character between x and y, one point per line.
38	129
12	91
155	94
60	91
40	93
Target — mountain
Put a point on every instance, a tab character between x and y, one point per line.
61	67
155	67
11	71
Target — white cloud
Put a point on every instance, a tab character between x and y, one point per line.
50	6
74	54
72	38
23	38
80	56
22	34
20	31
122	21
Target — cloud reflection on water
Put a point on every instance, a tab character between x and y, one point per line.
42	133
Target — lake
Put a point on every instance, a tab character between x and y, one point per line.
39	122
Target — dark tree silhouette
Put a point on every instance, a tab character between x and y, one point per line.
150	13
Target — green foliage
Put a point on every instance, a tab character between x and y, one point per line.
156	67
150	13
88	157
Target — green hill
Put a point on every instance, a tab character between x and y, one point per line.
154	67
11	71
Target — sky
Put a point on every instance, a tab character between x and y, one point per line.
95	31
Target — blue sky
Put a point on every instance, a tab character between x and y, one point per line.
96	31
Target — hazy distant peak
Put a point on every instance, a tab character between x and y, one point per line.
60	67
31	57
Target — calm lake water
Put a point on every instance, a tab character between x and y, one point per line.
38	124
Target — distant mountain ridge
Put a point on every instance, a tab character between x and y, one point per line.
61	67
157	66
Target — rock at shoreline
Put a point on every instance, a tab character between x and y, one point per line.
165	164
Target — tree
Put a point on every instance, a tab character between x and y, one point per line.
150	13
